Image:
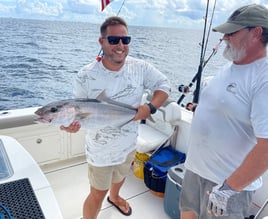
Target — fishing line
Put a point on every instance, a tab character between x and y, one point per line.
202	55
203	46
210	25
99	56
214	51
202	63
184	89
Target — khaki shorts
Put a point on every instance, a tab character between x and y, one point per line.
194	197
101	178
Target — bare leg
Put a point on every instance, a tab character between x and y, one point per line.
93	202
116	199
187	215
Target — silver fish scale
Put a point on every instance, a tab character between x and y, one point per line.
90	113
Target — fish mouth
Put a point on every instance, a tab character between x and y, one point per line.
41	119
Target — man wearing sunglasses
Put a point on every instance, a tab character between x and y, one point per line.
110	151
228	148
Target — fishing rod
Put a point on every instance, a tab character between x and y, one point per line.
186	89
202	63
99	56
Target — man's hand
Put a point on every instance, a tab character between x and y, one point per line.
220	199
143	112
72	128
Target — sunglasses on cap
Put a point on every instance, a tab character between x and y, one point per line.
113	40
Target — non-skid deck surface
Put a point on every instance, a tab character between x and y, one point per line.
19	199
71	187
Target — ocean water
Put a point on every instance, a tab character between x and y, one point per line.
39	59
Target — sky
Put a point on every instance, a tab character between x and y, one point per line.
162	13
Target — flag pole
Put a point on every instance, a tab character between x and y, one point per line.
120	8
98	58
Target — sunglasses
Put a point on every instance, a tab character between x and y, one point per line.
113	40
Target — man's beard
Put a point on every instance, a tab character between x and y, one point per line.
233	54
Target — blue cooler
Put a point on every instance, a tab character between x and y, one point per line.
172	191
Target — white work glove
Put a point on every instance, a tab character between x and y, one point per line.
221	199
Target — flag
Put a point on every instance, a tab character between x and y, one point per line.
104	3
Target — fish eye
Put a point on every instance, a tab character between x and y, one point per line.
53	109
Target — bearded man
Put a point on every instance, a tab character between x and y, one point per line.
228	147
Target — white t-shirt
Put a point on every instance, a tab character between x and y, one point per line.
110	146
231	113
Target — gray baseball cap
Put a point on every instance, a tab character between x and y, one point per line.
247	16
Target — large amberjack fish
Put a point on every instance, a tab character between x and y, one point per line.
90	113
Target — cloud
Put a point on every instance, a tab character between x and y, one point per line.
7	7
82	6
39	8
166	13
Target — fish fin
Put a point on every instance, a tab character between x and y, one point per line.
103	97
125	123
151	119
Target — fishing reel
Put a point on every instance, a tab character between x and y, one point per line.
184	89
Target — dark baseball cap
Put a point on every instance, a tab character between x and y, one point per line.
247	16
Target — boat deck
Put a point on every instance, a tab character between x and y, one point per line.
70	184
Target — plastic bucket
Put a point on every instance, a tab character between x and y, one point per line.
139	160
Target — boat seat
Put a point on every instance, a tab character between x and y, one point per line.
154	133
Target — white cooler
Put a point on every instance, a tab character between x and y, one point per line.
172	191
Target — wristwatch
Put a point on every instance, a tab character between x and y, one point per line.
152	108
